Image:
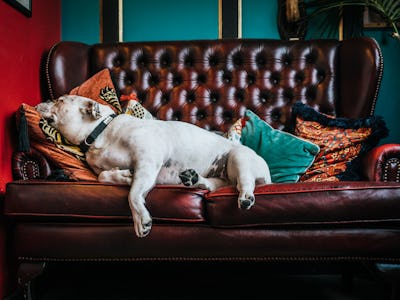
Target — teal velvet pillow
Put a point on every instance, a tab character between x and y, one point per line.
288	156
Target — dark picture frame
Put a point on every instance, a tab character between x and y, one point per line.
372	20
24	6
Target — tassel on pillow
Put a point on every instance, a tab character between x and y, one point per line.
23	136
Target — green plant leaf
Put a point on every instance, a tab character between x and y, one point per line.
389	10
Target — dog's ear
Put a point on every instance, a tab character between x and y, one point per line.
45	110
92	109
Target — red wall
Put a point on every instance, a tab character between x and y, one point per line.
22	42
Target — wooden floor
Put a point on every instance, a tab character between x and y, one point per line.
160	280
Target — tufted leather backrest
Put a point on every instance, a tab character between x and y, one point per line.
210	83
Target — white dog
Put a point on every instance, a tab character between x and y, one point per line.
141	153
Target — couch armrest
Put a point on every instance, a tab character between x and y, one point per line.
30	165
383	163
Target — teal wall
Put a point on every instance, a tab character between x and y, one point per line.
80	20
259	19
193	19
388	104
170	20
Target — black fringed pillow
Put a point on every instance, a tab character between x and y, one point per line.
342	142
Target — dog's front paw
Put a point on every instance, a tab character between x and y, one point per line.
146	228
142	226
246	201
189	177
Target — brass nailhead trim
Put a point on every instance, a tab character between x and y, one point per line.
25	174
380	76
49	86
255	259
389	162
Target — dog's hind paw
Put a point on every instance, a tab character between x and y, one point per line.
189	177
246	202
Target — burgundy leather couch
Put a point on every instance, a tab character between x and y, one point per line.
209	83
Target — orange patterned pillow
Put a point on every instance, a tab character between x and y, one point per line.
342	142
100	88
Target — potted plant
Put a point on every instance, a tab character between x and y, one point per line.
389	10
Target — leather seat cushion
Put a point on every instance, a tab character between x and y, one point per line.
277	205
303	204
93	201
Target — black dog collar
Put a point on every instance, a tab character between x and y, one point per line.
86	143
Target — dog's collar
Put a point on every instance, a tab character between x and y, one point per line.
86	143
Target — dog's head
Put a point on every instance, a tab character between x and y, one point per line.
74	116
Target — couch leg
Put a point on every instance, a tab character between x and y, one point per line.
391	275
26	273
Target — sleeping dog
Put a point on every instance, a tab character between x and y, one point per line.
141	153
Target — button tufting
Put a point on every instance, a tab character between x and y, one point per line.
214	60
190	96
118	61
141	95
239	95
299	77
201	78
129	79
321	75
227	116
261	60
251	79
201	114
165	98
177	116
311	57
212	84
214	96
275	78
177	79
165	60
154	80
288	94
275	115
287	59
264	96
142	61
227	77
238	59
311	93
189	59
